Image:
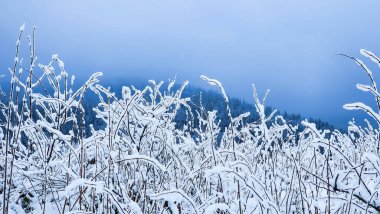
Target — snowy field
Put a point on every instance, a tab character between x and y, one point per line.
53	161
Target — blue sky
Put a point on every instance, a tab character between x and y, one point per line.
285	46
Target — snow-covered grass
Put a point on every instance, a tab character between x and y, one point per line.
140	163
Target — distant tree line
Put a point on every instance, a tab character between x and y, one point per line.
212	100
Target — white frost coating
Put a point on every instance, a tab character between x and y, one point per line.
259	106
363	87
217	83
126	93
135	208
73	185
174	195
370	55
56	132
72	79
48	70
240	117
54	56
364	107
64	74
60	63
312	127
171	84
15	209
367	88
99	186
144	158
217	170
22	27
217	208
367	70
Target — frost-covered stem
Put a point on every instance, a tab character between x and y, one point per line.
44	187
210	122
65	99
11	172
81	166
226	100
212	144
96	165
328	178
273	173
366	210
67	182
374	89
369	74
316	178
144	202
17	118
32	62
56	200
288	205
349	207
110	122
7	138
300	187
238	196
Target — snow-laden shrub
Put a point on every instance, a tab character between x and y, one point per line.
139	162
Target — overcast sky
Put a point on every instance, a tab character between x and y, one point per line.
285	46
